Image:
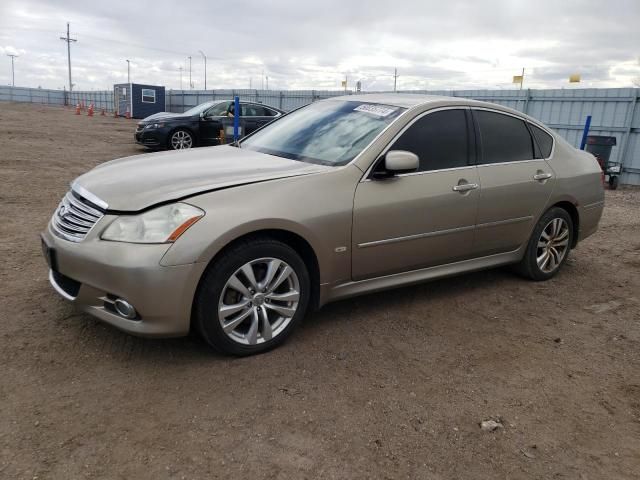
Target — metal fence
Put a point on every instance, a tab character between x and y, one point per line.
615	111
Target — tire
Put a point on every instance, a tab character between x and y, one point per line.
613	182
181	139
227	295
556	224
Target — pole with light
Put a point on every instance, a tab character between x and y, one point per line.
128	71
13	76
205	68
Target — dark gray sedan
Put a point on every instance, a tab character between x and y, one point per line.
207	124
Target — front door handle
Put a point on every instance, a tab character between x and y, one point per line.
542	176
464	187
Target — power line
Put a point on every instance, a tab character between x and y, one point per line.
68	39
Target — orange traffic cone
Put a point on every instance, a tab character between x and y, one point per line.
127	114
78	109
90	111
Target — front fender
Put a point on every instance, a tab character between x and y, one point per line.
317	208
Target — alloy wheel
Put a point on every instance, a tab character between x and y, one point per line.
181	140
259	301
553	245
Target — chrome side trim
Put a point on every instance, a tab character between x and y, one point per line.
89	196
505	222
486	165
437	233
57	287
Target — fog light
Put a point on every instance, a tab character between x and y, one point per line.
125	309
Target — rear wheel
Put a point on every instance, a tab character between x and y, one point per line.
549	245
252	297
181	139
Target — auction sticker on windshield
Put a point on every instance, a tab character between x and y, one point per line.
377	110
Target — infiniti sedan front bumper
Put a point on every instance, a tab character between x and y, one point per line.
94	273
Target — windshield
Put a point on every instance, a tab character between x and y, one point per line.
200	108
329	132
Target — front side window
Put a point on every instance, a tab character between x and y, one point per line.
331	132
503	138
148	95
439	139
218	110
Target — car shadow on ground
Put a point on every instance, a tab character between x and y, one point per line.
185	350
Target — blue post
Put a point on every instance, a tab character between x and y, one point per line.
236	119
587	124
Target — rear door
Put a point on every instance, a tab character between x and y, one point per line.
250	117
515	182
425	218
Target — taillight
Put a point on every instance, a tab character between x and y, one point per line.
602	177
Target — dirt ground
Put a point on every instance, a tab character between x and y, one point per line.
390	385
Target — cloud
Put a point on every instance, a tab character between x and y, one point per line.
306	45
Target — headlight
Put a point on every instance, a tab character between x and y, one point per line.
154	125
160	225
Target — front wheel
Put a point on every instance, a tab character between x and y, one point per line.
252	297
549	245
180	140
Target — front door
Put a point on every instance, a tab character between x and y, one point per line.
420	219
514	185
211	122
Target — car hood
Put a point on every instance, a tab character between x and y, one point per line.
164	116
135	183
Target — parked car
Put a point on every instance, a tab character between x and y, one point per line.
343	197
201	125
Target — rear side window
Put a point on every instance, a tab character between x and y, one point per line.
544	141
439	139
503	138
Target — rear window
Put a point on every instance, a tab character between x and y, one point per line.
503	138
544	142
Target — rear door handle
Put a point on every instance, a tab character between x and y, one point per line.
542	176
464	187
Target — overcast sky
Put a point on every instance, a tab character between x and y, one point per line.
314	45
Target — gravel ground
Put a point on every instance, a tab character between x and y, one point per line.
391	385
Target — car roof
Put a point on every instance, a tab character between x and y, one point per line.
409	100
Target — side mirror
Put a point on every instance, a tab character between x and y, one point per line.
397	162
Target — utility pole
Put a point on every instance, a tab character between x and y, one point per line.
190	83
522	78
180	78
68	39
13	76
205	68
395	80
128	72
267	82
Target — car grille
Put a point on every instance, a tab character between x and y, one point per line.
74	217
